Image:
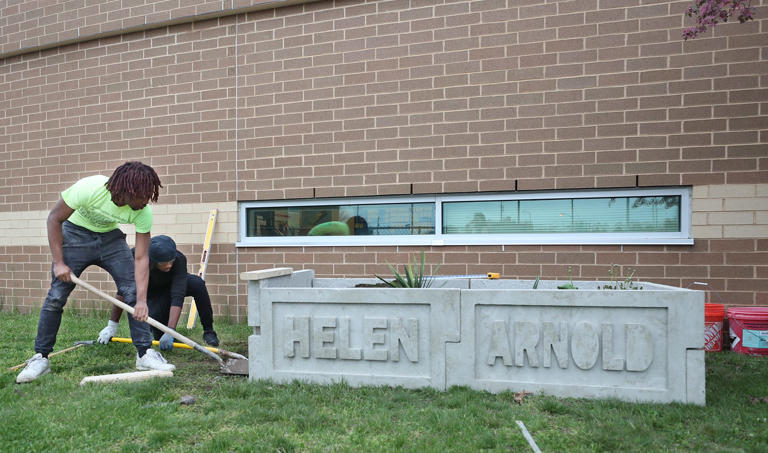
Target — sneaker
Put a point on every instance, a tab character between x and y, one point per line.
36	367
210	338
152	360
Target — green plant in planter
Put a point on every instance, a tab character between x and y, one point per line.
568	285
536	283
413	277
615	283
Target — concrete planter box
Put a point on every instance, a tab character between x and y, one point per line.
494	335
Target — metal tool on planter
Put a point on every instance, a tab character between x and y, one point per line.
489	276
232	366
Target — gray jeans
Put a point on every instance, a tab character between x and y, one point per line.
82	248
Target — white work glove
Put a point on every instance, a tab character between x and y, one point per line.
108	332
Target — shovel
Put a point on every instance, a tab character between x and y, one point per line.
232	366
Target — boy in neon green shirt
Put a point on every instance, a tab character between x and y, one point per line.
94	209
83	230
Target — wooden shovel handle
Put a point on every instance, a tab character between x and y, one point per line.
158	325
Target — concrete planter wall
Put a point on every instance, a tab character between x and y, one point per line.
494	335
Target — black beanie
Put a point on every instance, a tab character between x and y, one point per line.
162	249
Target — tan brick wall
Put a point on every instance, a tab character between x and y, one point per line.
392	97
26	274
28	25
186	223
26	264
730	211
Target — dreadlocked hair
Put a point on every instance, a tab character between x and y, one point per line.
133	180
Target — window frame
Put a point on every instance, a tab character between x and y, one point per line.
683	237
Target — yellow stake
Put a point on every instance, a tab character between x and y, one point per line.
203	264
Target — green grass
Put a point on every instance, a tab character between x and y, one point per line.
55	413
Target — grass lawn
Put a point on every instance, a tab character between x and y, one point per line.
55	413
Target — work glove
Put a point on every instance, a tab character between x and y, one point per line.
166	342
108	332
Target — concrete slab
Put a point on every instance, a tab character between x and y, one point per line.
493	335
362	336
631	345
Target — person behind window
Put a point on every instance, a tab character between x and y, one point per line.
358	226
478	224
332	228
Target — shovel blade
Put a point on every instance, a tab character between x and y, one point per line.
235	366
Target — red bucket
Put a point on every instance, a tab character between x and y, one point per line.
749	330
714	314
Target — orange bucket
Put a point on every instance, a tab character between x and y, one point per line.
714	314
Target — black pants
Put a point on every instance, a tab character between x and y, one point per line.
159	303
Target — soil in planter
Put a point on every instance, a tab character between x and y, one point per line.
377	285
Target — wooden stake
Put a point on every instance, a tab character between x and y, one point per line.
203	264
49	355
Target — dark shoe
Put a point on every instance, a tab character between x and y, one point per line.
210	338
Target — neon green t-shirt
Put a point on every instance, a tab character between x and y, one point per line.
331	228
95	210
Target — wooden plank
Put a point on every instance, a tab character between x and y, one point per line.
266	273
126	377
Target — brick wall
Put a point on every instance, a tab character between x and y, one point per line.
351	98
25	269
29	25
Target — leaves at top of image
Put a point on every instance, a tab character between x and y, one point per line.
708	13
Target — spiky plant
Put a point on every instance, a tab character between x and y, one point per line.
413	276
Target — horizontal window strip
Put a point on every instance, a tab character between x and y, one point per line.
589	215
640	216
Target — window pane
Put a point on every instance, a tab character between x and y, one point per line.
342	220
470	217
654	213
547	216
585	215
